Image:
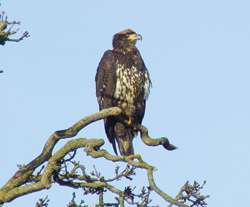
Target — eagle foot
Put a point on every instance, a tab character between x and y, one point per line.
130	120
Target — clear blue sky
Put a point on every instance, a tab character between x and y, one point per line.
197	53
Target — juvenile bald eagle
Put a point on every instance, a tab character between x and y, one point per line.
122	80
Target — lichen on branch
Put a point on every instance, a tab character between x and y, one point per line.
29	178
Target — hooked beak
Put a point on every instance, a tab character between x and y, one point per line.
135	37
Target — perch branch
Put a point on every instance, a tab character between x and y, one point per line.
21	175
15	186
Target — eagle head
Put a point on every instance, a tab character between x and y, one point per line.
125	39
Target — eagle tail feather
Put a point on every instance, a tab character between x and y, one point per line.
124	138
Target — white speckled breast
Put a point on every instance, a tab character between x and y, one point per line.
132	86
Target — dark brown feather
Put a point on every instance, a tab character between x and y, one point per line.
105	87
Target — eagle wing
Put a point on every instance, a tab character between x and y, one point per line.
105	87
106	80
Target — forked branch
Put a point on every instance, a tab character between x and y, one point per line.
24	181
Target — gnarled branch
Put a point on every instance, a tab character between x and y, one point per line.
154	142
21	175
24	182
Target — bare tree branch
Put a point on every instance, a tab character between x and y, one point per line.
154	142
20	176
5	35
56	170
191	193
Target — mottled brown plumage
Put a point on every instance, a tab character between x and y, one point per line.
122	80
